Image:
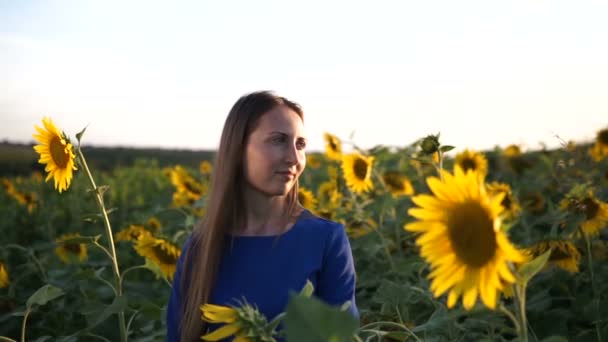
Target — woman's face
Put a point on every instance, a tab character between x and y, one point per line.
274	153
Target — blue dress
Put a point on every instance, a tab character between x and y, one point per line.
265	270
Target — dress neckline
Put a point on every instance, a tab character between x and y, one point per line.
303	215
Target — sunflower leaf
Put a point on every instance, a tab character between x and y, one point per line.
308	289
81	133
528	270
446	148
44	295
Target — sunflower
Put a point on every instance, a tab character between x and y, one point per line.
461	239
358	228
333	146
153	224
398	184
563	253
594	211
471	160
133	232
509	203
4	280
511	151
222	314
313	160
328	194
534	202
160	252
69	251
600	149
306	198
56	152
358	172
205	167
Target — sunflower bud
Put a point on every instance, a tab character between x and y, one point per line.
430	144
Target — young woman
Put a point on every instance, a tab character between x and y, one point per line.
256	241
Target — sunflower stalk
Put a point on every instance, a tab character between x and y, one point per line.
593	288
520	299
112	251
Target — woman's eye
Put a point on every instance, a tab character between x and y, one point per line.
301	144
278	140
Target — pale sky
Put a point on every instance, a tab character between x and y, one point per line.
165	74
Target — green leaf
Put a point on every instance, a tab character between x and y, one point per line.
310	319
555	339
446	148
308	289
44	295
529	270
80	134
98	316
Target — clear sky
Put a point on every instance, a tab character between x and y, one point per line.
165	74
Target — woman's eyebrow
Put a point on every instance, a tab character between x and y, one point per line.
284	134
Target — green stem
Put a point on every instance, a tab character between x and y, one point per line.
27	313
520	291
509	314
106	221
593	288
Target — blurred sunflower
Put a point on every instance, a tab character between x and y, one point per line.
36	176
600	149
56	152
313	160
306	198
328	194
358	172
509	203
595	212
70	251
222	314
153	224
205	167
397	183
160	252
133	232
358	228
534	202
462	240
511	151
4	279
333	146
472	160
563	253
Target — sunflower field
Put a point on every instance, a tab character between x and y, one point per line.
500	245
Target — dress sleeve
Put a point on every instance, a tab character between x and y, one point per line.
174	307
336	284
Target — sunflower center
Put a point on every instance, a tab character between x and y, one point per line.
57	148
471	232
560	252
163	255
360	168
590	208
393	181
602	137
73	248
333	145
468	164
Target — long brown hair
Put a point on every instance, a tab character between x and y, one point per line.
225	206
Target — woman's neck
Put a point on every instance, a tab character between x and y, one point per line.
266	215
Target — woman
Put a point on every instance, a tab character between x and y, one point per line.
256	241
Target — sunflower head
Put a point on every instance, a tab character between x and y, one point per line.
205	167
153	224
4	279
357	170
472	160
306	198
313	160
430	144
160	252
133	232
533	202
57	153
461	239
244	322
511	151
333	146
602	138
563	253
329	195
593	212
358	228
70	251
509	203
397	183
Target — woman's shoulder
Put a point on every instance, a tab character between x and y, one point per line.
318	224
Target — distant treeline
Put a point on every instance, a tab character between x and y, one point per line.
21	159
